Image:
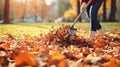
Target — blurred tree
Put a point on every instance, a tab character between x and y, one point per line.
78	8
18	9
73	4
71	13
1	9
63	5
52	13
39	9
15	9
118	10
24	4
6	12
36	6
29	9
112	16
44	10
104	11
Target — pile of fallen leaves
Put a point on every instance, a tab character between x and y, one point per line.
58	49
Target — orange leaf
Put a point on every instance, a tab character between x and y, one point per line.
62	63
112	63
24	58
99	43
35	48
58	59
57	56
5	46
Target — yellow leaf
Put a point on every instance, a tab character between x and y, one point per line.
57	56
24	58
62	63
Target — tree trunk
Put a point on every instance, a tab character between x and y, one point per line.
78	8
1	9
104	11
6	12
113	11
24	11
36	18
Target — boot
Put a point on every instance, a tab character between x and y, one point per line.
92	34
101	32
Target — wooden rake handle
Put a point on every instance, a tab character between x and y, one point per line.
76	19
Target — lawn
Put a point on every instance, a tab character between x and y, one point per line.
19	29
58	50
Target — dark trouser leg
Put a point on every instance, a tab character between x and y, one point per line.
92	11
95	25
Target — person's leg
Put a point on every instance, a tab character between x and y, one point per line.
91	33
88	11
94	22
101	32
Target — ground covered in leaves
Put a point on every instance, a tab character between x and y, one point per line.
58	49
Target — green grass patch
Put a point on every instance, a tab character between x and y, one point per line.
19	29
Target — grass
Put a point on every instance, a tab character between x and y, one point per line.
19	29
